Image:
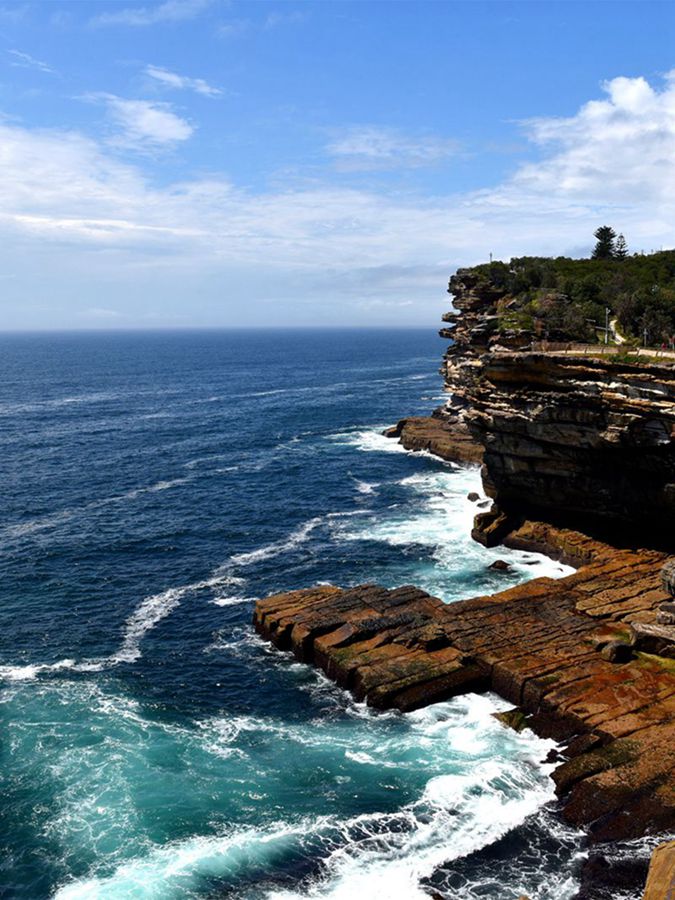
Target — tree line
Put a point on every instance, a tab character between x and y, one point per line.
566	299
609	245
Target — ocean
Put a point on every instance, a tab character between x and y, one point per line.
154	485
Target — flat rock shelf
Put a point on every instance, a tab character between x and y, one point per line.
543	647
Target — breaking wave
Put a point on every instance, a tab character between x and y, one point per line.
496	782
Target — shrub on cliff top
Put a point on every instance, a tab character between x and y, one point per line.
638	290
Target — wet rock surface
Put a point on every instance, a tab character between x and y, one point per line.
450	441
661	877
539	646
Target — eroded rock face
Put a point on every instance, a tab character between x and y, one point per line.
580	441
450	441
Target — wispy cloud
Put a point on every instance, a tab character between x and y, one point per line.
613	161
12	15
142	124
181	82
139	16
372	147
234	28
275	19
26	61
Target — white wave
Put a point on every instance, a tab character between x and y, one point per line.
145	617
365	759
366	487
10	408
458	814
344	514
214	457
438	517
40	524
378	855
29	672
221	577
138	492
270	393
294	539
166	872
157	607
153	609
149	614
369	440
232	601
55	519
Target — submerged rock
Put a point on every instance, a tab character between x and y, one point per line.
513	718
604	878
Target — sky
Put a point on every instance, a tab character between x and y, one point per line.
205	163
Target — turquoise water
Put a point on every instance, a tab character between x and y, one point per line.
152	746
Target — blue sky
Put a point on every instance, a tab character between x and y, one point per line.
210	163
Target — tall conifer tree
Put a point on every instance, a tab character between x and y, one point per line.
621	247
605	247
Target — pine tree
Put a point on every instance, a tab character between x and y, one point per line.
621	247
606	237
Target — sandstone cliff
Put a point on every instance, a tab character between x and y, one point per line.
577	440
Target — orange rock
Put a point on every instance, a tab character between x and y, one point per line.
661	879
538	645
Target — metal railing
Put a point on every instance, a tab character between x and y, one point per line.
575	349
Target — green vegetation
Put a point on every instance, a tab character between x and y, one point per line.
566	299
606	243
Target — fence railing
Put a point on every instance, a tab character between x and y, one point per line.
575	349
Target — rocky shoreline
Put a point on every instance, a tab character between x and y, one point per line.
578	456
548	646
434	435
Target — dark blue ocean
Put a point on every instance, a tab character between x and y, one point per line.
153	485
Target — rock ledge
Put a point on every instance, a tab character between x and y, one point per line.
539	646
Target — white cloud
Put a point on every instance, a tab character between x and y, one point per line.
278	19
233	28
617	151
14	14
370	147
169	11
143	124
76	217
181	82
26	61
148	124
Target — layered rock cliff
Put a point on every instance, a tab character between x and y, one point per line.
572	443
582	441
